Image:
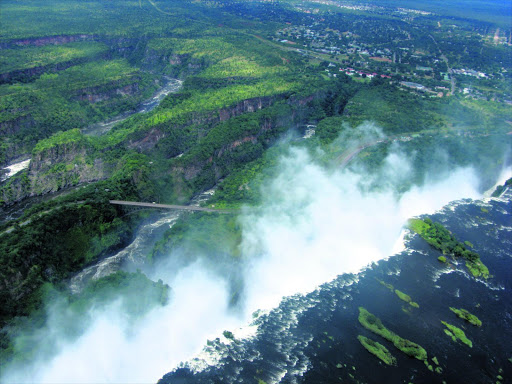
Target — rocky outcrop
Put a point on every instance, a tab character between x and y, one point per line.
12	127
206	172
65	153
149	140
97	94
29	74
180	66
237	143
40	41
56	168
245	106
217	164
63	166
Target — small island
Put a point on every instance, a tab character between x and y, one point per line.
405	297
401	295
466	315
442	239
373	324
456	334
377	349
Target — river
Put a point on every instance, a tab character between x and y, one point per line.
171	85
133	256
312	338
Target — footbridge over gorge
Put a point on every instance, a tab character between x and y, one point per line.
170	206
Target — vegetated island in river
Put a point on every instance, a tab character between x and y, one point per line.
401	295
377	349
442	239
373	324
466	315
457	334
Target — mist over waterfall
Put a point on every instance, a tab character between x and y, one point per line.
314	224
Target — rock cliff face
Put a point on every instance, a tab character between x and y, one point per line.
150	139
57	168
30	74
246	147
97	94
40	41
245	106
12	127
177	66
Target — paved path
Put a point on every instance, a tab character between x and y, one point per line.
168	206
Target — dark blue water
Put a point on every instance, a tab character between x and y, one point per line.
313	338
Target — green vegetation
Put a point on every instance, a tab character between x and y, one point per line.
394	110
216	99
104	78
122	285
442	239
73	136
400	294
456	334
465	315
200	232
228	335
442	259
477	268
72	98
373	323
54	239
387	285
500	188
378	350
406	298
34	56
243	185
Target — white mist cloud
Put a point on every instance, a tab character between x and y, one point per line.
316	224
110	351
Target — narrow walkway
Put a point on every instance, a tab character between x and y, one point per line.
168	206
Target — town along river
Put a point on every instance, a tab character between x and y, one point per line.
313	338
